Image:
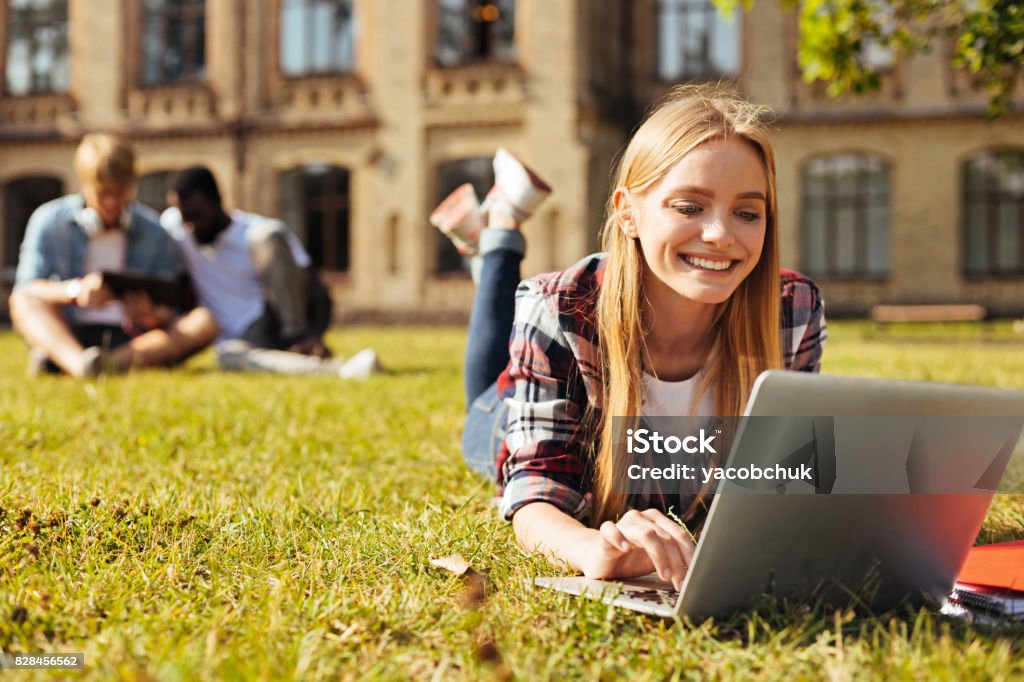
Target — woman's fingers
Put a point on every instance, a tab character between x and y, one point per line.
664	550
677	532
614	537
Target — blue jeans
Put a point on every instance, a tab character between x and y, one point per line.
490	328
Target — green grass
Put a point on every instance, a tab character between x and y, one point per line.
197	525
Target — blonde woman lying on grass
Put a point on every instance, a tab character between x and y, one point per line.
678	316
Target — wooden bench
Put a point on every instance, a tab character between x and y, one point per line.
884	315
956	312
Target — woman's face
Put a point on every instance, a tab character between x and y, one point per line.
702	226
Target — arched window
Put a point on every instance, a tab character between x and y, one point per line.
475	31
696	42
315	203
317	36
993	213
845	216
478	171
21	197
153	189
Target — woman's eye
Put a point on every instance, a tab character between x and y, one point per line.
688	209
748	215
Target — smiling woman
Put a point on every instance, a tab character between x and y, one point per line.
703	232
679	315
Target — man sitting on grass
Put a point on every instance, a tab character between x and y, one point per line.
257	279
60	305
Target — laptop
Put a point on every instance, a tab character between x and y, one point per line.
874	539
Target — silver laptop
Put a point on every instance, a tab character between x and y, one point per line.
873	541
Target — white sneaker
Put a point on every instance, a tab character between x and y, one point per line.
519	186
94	363
361	365
231	355
91	363
460	218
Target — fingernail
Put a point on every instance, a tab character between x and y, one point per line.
668	577
623	546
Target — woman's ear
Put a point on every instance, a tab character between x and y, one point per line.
625	212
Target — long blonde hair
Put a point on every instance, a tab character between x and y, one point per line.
747	329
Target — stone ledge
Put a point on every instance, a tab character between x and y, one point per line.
485	83
172	105
321	97
37	112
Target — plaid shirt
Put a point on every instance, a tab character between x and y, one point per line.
554	373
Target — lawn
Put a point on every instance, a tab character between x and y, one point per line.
198	525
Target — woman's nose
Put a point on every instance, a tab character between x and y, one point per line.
716	231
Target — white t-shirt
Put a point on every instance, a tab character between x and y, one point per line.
106	251
223	273
673	398
664	399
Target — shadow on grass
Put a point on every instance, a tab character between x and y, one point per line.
799	623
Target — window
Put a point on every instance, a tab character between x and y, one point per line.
695	41
475	31
315	203
152	190
173	42
478	171
846	216
21	198
37	47
993	213
317	36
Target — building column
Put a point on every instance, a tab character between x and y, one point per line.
389	191
924	233
98	44
552	131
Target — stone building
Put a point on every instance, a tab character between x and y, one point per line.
351	118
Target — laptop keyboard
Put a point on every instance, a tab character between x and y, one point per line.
660	597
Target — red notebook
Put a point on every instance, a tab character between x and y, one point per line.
1000	565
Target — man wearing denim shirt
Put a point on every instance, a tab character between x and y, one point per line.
60	305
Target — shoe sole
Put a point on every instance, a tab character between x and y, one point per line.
540	188
458	216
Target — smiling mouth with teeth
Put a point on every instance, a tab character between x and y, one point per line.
705	264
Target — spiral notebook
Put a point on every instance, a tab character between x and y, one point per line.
990	587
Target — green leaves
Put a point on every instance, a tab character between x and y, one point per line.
850	44
991	46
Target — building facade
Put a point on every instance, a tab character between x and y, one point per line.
350	119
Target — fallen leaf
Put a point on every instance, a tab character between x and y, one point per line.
476	585
453	564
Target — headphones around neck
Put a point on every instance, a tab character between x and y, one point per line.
89	220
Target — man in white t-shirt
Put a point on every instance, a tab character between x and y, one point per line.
256	278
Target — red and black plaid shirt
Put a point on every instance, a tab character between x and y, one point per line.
554	374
